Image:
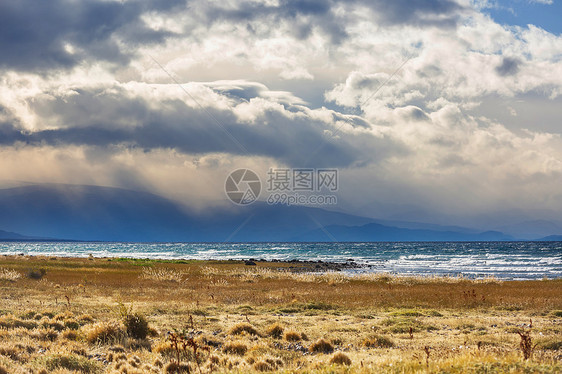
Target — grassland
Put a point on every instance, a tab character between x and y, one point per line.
60	315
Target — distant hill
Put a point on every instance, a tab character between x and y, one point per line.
374	232
112	214
5	235
551	238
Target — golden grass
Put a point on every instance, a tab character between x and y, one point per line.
69	320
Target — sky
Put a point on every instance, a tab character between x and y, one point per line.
431	110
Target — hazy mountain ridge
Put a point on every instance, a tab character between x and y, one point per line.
77	212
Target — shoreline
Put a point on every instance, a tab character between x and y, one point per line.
349	267
471	260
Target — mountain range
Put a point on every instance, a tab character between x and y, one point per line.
94	213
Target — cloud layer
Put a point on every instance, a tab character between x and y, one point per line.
396	94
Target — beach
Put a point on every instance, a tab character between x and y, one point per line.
117	315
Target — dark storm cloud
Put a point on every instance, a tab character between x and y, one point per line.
33	33
509	66
305	15
441	13
174	125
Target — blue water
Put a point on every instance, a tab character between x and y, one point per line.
504	260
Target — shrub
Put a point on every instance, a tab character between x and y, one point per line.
340	358
292	336
378	341
36	273
243	328
321	346
275	331
136	325
235	348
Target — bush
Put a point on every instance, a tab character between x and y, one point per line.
136	326
321	346
243	328
36	273
275	331
340	358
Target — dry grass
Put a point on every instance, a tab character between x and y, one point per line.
162	275
9	275
69	320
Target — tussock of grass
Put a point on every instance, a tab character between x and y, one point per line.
162	275
262	366
553	345
242	328
377	341
72	362
104	332
340	358
11	322
321	346
275	331
235	348
175	367
292	336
